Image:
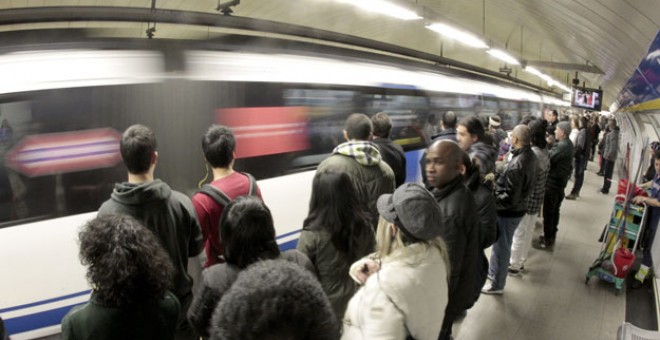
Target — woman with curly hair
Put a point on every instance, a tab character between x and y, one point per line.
247	235
335	234
130	273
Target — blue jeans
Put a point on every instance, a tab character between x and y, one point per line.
499	257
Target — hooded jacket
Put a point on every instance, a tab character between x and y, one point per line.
171	216
371	177
514	186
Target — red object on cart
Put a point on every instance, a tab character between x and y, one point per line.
623	261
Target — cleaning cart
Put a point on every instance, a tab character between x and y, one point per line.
620	241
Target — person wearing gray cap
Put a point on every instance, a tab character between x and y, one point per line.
561	163
404	283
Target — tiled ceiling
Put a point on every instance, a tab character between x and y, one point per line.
612	35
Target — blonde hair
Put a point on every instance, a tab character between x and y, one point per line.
387	241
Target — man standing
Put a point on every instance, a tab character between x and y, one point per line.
561	159
391	153
459	227
513	188
359	157
218	145
448	128
610	153
582	149
522	238
168	213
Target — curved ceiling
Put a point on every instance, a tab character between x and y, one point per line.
562	35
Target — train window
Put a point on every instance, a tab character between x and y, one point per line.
409	114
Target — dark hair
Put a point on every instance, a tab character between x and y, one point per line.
127	263
335	207
538	128
474	126
218	145
273	300
449	120
526	119
382	125
247	233
554	113
137	146
584	122
358	126
656	155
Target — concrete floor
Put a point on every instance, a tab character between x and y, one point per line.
551	300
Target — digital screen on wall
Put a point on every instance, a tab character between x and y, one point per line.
590	99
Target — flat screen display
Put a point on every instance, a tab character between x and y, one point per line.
590	99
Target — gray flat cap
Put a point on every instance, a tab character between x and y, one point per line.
412	209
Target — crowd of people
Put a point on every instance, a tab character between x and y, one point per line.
377	257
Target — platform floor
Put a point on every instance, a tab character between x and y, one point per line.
551	299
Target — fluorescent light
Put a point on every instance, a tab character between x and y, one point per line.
460	36
384	7
533	71
501	55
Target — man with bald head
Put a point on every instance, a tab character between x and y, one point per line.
513	188
459	227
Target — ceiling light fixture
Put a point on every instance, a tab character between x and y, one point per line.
501	55
455	34
384	7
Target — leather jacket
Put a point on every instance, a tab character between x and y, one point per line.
515	184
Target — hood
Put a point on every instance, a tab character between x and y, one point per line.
139	193
365	153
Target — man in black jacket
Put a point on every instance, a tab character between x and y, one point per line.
561	159
392	153
459	227
513	188
167	213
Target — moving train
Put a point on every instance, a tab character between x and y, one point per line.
63	108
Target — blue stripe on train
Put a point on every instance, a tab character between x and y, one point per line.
53	317
38	320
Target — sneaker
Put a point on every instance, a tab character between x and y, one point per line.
602	191
572	197
488	289
515	272
542	245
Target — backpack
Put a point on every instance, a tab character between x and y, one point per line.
221	199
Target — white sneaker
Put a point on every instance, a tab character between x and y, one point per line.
488	289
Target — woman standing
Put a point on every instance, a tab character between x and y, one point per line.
404	293
335	234
247	235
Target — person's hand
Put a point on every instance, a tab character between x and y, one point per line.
368	267
639	199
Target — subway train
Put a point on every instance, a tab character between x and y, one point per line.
63	108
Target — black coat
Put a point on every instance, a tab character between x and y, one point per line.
561	165
460	231
394	156
515	184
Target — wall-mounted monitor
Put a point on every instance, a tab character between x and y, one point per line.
590	99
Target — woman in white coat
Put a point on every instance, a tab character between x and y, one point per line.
404	292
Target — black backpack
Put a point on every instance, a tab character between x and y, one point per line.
222	199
